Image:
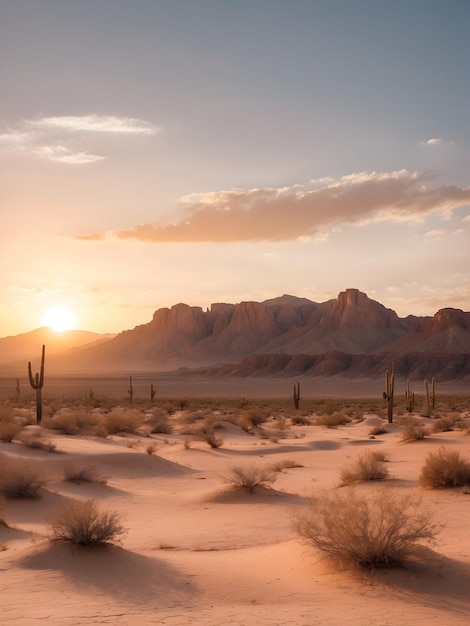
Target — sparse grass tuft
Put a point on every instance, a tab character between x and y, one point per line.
445	423
85	474
413	431
8	430
332	420
249	477
207	434
369	465
19	479
36	442
285	464
443	469
83	524
381	529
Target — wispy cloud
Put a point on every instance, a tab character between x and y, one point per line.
17	138
287	213
54	138
96	124
437	141
61	154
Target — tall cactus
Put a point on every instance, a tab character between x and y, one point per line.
152	392
296	395
37	383
430	397
388	393
409	398
130	391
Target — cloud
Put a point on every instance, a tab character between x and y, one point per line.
437	141
52	138
96	124
17	138
288	213
61	154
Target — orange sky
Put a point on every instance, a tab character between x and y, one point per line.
148	158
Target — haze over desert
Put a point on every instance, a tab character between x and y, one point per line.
235	312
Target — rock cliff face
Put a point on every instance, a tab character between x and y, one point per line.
286	330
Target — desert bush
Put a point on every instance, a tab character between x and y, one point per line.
36	442
445	423
123	421
251	417
444	468
207	434
19	479
151	449
379	529
84	474
8	430
378	430
83	524
369	465
332	420
249	477
75	422
413	430
300	420
284	464
160	422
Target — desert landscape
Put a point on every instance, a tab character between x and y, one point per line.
194	543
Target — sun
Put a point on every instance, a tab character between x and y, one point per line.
59	319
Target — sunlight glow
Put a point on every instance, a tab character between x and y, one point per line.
59	319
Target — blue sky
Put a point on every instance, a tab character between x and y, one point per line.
199	151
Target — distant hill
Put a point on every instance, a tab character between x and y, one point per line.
27	346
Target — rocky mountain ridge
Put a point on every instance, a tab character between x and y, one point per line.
351	333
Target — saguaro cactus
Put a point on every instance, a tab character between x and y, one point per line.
152	392
130	391
409	398
430	397
37	383
388	393
296	395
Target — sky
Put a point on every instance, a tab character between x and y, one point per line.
154	152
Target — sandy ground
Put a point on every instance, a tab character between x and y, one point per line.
196	552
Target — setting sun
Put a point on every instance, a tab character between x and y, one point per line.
59	319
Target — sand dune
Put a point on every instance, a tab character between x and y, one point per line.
199	551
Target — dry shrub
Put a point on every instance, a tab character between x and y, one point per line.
378	430
251	417
249	477
413	431
444	468
19	479
123	421
369	465
285	464
36	442
207	434
8	430
379	529
445	423
75	422
332	420
160	422
151	449
300	420
85	474
83	524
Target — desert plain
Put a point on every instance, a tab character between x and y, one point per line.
196	549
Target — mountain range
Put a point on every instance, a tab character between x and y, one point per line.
351	335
